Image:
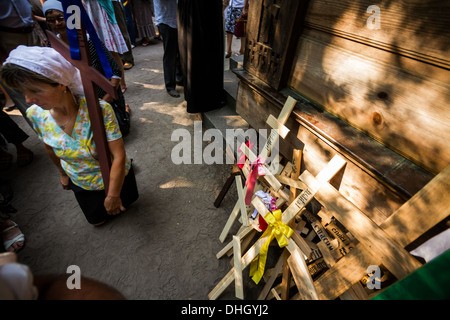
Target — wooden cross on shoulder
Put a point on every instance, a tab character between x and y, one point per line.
89	77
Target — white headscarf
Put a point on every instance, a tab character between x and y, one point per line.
52	5
49	63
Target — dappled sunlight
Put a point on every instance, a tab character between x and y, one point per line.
178	182
161	107
349	68
145	120
151	86
153	70
386	78
150	105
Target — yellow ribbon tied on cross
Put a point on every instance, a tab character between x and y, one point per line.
275	229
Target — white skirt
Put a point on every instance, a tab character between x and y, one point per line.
108	32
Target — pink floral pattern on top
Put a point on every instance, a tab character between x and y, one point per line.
77	151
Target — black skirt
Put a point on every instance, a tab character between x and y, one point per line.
201	46
91	202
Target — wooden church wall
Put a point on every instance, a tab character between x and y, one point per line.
392	83
380	107
376	179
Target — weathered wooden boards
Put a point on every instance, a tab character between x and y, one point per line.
381	99
414	218
391	82
349	242
376	179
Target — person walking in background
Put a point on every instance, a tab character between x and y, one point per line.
127	4
166	20
101	13
39	21
235	9
201	45
16	26
127	57
143	17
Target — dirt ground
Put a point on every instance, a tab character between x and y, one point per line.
165	245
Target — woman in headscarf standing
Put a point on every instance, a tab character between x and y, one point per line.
60	117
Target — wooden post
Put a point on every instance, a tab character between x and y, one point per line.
286	277
301	275
241	200
293	192
296	161
239	285
277	269
234	214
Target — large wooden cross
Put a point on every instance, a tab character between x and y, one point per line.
89	77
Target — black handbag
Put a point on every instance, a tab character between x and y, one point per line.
123	118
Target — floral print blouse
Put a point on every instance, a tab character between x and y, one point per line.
77	152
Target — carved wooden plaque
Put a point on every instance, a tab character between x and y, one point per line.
272	34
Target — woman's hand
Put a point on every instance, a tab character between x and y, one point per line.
113	205
107	97
65	182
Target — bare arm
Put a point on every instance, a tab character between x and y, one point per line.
245	10
113	203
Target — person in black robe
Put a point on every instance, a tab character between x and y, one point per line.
201	47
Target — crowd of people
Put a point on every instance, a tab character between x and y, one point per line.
47	89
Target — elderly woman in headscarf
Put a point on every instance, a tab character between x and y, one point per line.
60	117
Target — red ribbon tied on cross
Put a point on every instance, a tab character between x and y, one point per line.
243	157
256	170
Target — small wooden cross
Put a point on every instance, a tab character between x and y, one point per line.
278	129
89	77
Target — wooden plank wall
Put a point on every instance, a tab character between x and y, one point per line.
377	200
392	83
